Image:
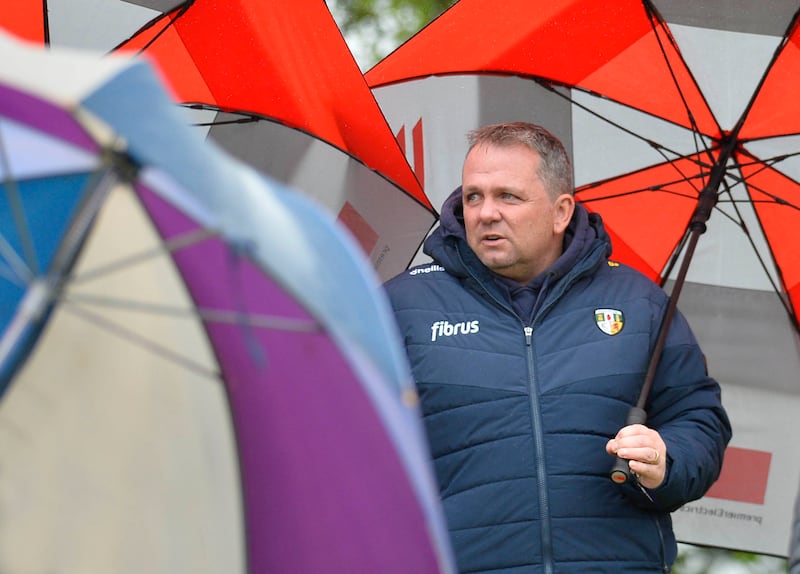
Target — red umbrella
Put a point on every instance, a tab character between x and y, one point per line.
682	122
280	90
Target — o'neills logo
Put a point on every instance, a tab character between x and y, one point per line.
448	329
429	269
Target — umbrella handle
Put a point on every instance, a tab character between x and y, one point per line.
621	471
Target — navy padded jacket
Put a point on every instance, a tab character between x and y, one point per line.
518	412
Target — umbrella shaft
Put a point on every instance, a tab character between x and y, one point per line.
672	305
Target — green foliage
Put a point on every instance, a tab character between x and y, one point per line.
706	560
389	22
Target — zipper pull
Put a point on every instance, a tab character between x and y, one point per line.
528	335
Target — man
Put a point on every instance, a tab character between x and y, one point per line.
529	347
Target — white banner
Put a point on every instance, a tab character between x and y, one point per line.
750	506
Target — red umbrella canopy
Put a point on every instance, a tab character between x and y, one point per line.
625	52
26	20
578	43
287	63
284	60
277	87
661	103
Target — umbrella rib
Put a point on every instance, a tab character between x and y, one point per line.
171	245
18	213
99	185
768	164
775	289
247	117
16	272
207	315
659	187
654	17
143	342
774	199
669	155
635	192
661	149
179	11
673	260
772	161
763	164
746	231
778	50
99	180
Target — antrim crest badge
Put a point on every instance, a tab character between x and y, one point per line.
610	321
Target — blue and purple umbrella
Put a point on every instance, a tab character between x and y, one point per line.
119	220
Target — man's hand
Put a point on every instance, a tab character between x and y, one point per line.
645	451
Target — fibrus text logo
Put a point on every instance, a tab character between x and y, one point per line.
448	329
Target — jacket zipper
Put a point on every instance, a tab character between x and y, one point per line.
664	567
544	503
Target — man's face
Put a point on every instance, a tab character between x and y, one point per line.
512	224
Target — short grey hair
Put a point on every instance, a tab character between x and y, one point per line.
555	167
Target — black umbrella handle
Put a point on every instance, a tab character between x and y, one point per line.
621	471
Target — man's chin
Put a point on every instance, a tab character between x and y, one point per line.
497	265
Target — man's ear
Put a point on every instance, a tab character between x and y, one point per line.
563	208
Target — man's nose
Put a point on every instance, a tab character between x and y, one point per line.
489	210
